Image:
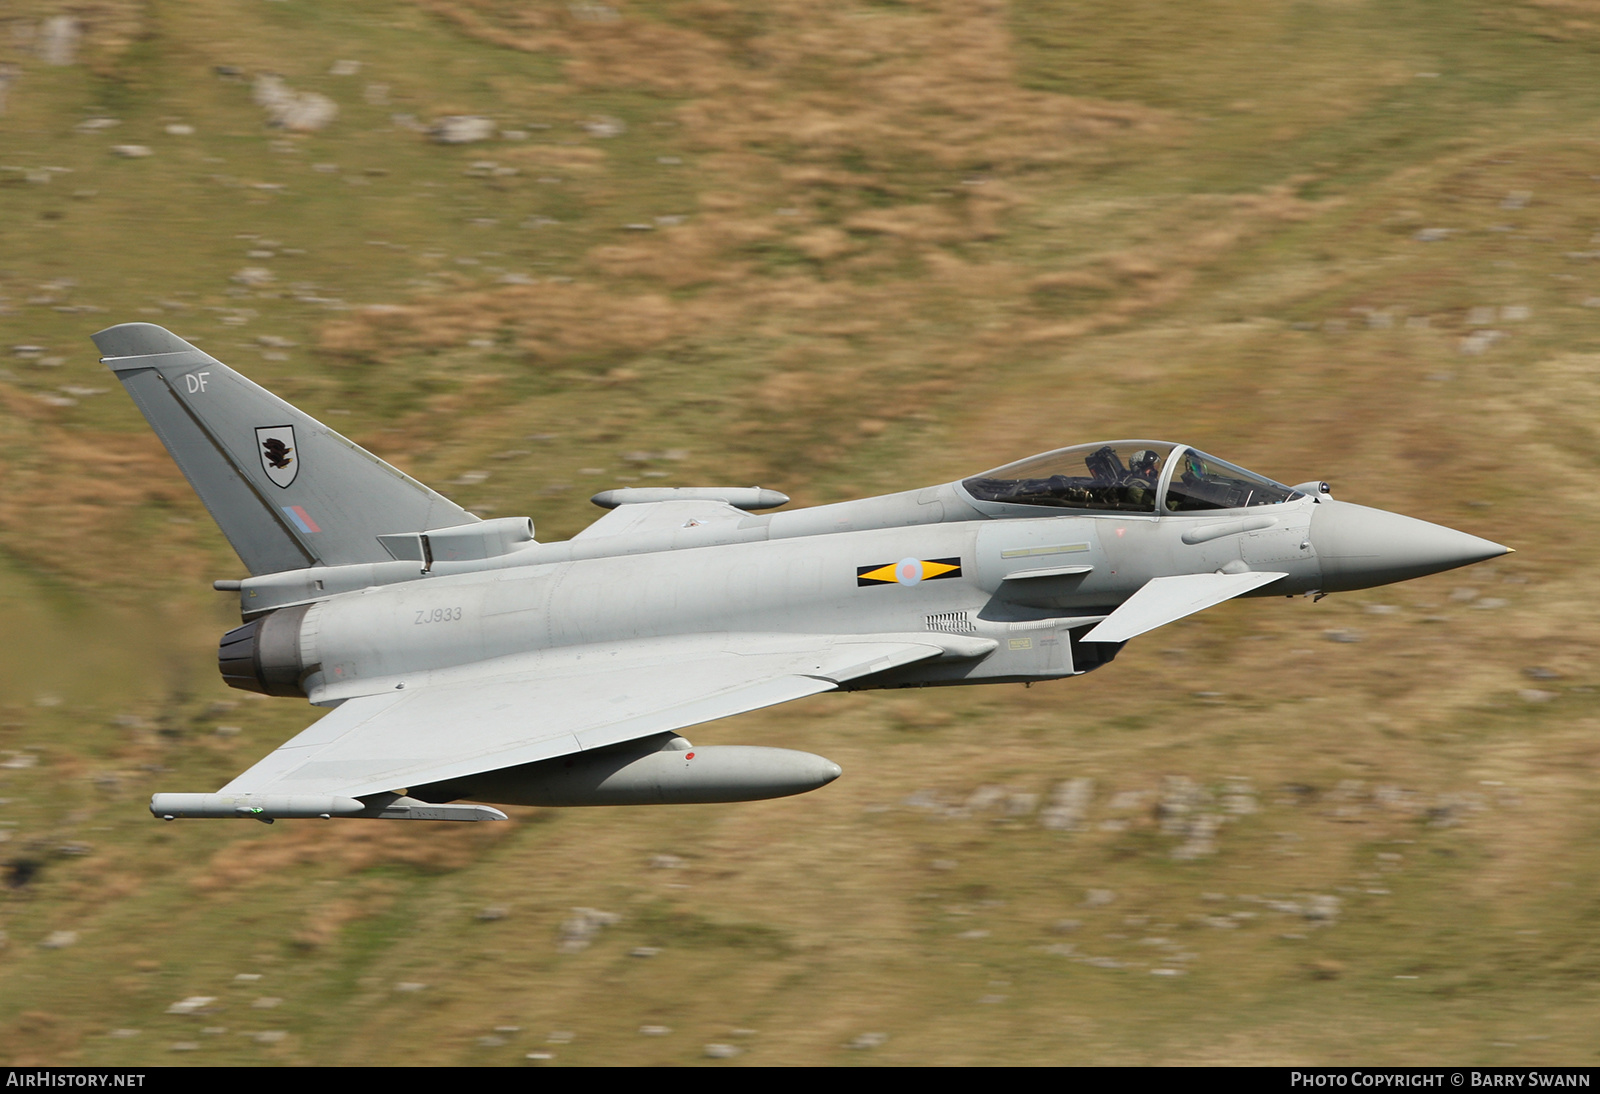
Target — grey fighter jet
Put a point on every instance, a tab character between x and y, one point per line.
464	660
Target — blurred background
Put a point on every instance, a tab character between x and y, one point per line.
528	250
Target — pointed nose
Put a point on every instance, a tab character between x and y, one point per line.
1360	547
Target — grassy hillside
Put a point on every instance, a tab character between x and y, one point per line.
836	248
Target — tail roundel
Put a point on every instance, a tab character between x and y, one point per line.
286	490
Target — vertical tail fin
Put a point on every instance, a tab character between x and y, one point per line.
285	489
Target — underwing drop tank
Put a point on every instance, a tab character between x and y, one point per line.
673	772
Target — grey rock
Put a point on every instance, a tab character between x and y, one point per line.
1068	809
1321	908
58	40
582	928
605	128
299	111
589	11
462	129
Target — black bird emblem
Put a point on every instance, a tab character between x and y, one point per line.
277	453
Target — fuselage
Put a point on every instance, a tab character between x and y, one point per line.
933	560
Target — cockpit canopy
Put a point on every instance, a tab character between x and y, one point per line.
1127	477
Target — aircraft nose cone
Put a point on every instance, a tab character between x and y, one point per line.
1360	547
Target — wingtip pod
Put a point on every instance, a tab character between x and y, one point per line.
265	807
270	807
138	340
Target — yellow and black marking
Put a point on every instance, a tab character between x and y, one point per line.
908	571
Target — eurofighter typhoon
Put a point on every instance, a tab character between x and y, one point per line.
464	661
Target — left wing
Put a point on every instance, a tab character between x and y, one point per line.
519	710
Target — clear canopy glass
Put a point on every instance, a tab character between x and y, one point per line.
1117	475
1127	477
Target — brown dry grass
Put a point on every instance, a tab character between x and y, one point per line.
817	80
77	493
547	323
107	29
1561	20
842	119
348	849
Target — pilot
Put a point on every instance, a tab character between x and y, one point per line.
1145	464
1139	487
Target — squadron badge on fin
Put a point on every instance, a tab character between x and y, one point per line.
275	445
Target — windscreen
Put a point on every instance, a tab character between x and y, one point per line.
1205	482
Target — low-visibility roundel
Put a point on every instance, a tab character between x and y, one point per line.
908	571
